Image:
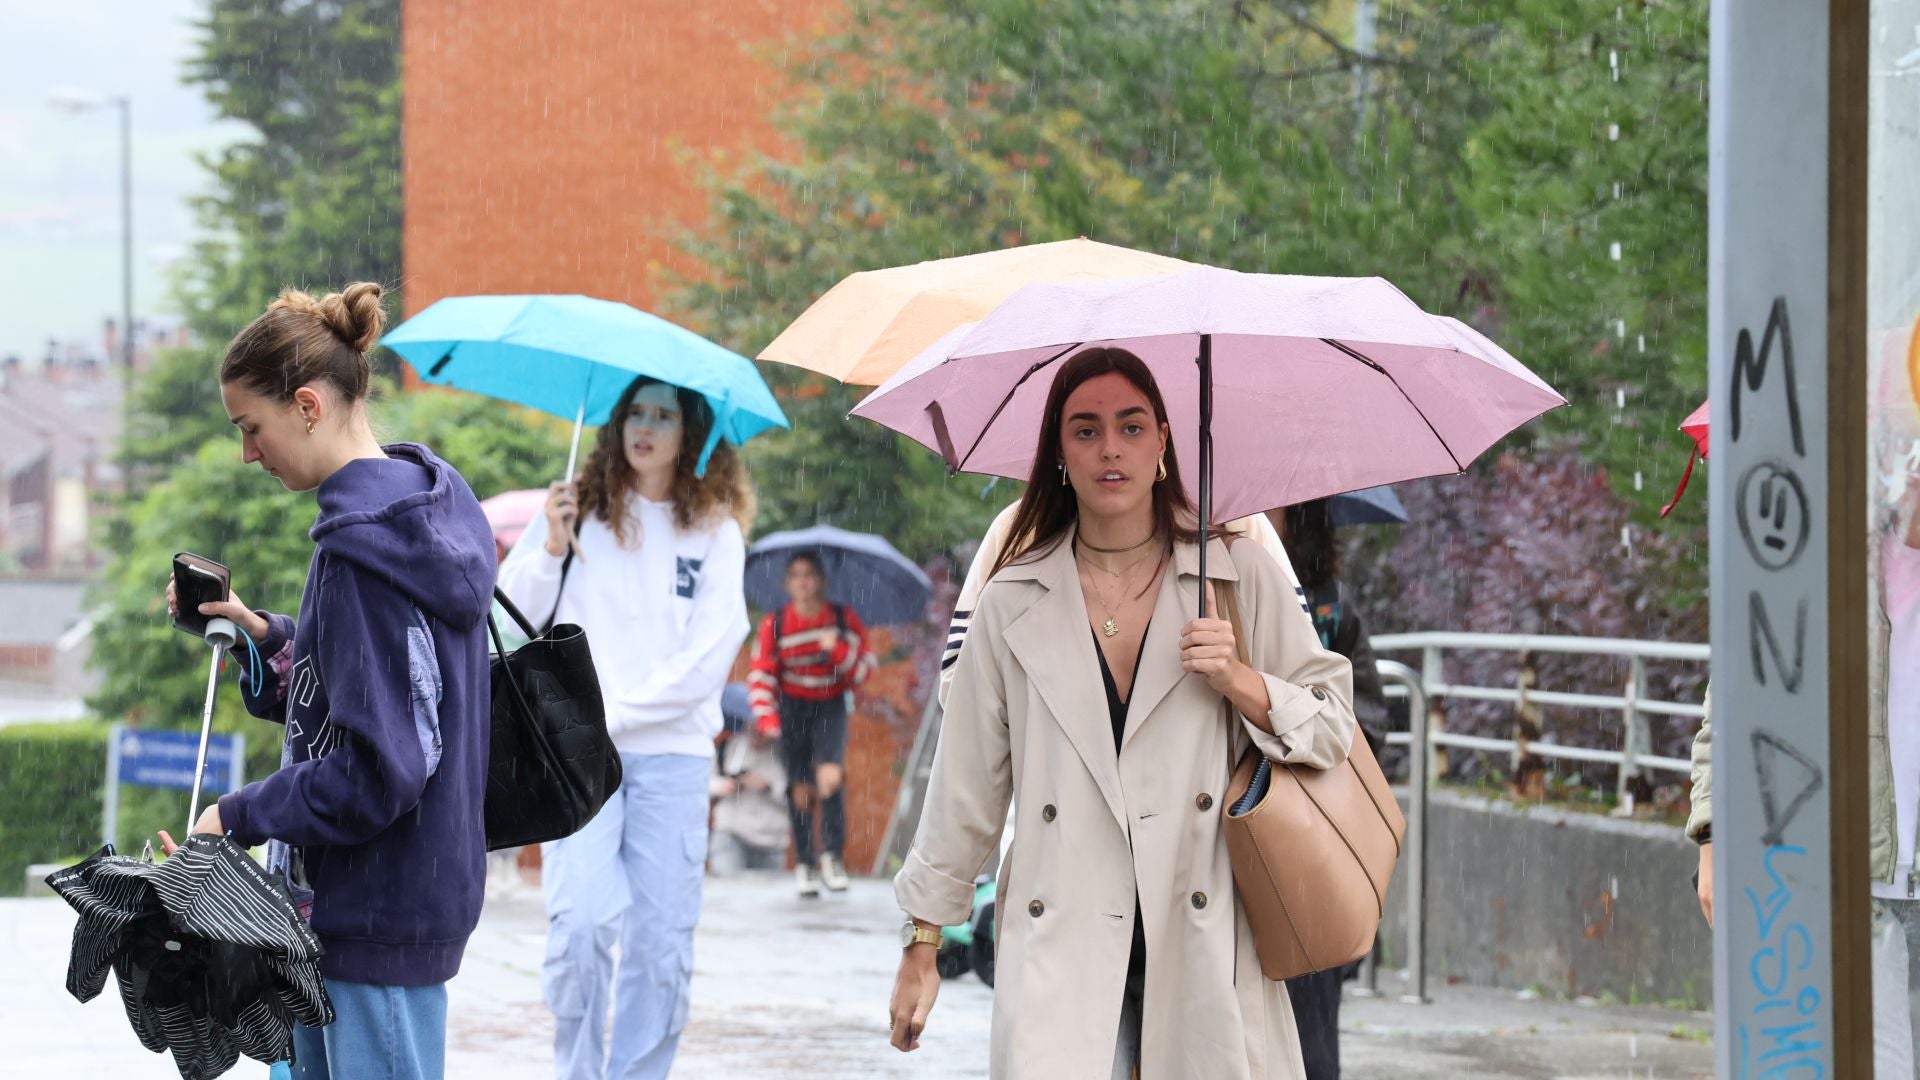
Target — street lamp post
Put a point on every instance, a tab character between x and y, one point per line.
80	102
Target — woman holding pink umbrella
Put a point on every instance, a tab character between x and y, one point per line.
1123	950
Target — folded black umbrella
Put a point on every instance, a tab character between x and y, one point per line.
211	957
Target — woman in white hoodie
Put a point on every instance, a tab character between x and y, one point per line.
644	551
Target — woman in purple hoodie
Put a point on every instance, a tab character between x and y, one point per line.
381	683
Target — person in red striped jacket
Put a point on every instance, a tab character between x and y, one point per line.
807	659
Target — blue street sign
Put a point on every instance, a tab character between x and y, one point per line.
164	759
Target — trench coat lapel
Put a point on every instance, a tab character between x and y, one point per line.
1052	643
1179	600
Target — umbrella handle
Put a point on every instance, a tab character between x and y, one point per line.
221	634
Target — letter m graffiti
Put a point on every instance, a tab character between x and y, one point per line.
1750	369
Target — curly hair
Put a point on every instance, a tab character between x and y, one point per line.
606	480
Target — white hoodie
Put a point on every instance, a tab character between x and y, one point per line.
664	616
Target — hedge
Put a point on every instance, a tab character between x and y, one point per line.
51	781
50	795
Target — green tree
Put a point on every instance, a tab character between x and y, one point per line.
311	198
1585	187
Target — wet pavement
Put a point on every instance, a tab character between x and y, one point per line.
785	987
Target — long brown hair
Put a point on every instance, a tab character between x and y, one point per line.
1049	507
301	339
606	480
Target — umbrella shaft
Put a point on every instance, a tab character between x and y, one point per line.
579	422
206	731
1206	458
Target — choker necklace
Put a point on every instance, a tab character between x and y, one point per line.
1111	627
1118	550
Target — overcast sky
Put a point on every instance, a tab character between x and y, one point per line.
60	172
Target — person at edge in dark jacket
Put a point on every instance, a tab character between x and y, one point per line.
1307	530
381	683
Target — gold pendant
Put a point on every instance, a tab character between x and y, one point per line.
1110	628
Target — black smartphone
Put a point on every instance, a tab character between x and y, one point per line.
196	580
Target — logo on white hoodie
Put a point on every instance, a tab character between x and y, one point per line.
686	575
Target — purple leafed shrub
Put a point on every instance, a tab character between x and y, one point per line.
1533	545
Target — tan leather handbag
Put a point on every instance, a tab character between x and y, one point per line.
1312	850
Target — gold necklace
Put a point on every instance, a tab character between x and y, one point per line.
1111	627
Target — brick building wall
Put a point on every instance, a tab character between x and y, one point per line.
554	147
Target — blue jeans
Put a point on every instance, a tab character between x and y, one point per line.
631	877
378	1033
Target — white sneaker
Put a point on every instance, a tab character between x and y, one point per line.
832	874
804	880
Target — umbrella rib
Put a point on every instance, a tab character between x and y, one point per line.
988	426
1370	362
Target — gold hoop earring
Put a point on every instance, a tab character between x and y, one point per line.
1161	472
309	425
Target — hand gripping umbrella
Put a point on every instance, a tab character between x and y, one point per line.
212	959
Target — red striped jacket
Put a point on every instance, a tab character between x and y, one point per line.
810	659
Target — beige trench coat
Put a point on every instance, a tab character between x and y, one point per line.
1027	721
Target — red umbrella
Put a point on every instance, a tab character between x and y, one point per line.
1695	425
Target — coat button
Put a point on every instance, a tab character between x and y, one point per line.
1204	802
1319	693
1199	900
1037	909
1048	813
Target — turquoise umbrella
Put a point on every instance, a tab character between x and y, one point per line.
572	356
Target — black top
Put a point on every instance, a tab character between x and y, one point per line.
1117	713
1117	708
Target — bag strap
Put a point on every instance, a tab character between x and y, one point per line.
1226	601
565	565
513	612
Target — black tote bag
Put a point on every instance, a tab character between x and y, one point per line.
553	765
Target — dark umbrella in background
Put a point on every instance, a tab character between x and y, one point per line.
211	957
864	573
1368	506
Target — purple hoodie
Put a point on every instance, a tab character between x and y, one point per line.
383	687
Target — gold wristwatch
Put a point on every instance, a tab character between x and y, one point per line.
914	934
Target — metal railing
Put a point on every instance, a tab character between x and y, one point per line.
1424	689
1634	705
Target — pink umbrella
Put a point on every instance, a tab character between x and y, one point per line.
1325	385
509	513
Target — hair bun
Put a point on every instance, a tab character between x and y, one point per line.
355	314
